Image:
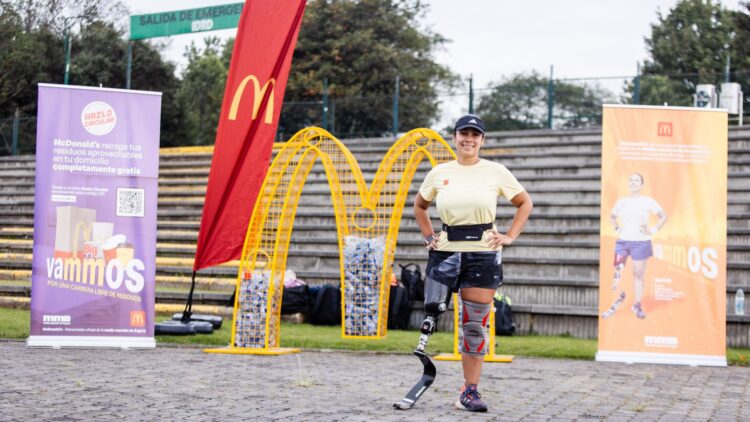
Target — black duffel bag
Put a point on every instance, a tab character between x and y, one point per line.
399	308
295	300
326	308
411	278
504	325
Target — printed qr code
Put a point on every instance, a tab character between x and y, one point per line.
130	202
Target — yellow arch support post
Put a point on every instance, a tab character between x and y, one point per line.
456	355
367	224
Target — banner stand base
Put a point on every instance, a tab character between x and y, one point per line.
57	342
487	358
660	358
250	351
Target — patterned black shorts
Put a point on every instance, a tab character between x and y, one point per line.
466	269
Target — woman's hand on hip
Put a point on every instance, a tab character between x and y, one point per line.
498	240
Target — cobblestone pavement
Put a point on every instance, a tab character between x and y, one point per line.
177	384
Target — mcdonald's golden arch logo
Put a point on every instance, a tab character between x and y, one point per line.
664	129
258	93
137	319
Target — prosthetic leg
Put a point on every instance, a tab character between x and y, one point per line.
437	296
619	265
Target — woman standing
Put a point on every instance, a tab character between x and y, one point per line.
466	256
633	212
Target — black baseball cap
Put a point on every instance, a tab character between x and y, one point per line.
470	121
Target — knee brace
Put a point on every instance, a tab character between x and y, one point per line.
476	316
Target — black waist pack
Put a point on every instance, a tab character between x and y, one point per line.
468	232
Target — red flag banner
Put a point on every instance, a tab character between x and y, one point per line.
249	116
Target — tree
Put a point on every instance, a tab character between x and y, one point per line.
658	90
520	102
579	106
202	90
150	72
32	51
517	103
26	58
101	59
690	46
361	47
741	48
98	56
54	14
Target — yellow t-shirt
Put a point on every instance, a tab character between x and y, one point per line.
468	195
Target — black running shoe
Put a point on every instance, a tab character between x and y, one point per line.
637	310
471	400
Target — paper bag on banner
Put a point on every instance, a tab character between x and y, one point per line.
73	230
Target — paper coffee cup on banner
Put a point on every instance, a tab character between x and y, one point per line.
124	253
109	248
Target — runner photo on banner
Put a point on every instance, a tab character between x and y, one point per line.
663	225
97	165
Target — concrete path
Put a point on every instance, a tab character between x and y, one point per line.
185	384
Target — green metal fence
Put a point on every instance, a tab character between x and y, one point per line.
553	103
17	135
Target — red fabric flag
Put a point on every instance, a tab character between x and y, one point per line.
249	116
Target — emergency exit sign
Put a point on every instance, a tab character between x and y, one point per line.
186	21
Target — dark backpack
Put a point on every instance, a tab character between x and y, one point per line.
504	325
326	308
296	299
399	308
412	280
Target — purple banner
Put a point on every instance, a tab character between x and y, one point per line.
97	166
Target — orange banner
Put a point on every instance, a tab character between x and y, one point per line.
662	262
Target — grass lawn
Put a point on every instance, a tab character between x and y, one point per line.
14	324
24	283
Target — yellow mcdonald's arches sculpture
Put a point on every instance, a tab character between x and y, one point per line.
367	224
